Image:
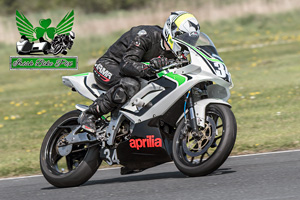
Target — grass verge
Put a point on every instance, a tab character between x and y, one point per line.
265	98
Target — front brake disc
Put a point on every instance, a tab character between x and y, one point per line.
197	146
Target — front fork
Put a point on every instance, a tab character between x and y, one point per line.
190	106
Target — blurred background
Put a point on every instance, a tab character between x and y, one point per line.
259	41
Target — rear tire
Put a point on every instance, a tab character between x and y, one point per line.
216	153
80	166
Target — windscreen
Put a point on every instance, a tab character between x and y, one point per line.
205	43
204	40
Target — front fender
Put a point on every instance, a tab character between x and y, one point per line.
200	107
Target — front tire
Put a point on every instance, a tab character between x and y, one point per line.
198	156
77	167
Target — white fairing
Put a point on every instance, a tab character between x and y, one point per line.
143	97
83	85
164	104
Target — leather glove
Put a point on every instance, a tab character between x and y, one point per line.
148	71
159	62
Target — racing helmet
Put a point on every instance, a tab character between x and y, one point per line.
71	35
183	26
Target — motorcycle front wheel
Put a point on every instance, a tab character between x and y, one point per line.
201	153
76	167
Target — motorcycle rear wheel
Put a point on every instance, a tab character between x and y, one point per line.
217	151
77	167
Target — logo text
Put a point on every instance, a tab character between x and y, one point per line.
149	142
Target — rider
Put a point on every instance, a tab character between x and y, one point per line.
118	69
62	40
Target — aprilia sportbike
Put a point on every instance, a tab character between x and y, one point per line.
182	115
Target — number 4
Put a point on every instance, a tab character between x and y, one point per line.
115	157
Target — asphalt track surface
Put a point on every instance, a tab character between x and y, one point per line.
261	176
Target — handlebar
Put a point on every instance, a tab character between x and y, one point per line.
174	64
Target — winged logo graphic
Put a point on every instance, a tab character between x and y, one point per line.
26	28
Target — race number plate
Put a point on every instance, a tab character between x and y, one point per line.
109	156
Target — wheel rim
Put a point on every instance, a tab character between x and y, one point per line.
58	164
195	152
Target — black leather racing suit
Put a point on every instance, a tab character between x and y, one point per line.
117	69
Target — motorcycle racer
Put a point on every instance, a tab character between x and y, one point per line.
61	43
118	69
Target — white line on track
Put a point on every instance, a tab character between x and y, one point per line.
111	168
267	153
21	177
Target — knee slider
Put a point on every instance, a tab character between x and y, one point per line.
119	96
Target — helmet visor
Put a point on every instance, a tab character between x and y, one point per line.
190	38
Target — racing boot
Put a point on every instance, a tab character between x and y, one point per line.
88	118
102	105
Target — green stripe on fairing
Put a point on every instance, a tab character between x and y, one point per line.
197	50
178	78
83	74
160	74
